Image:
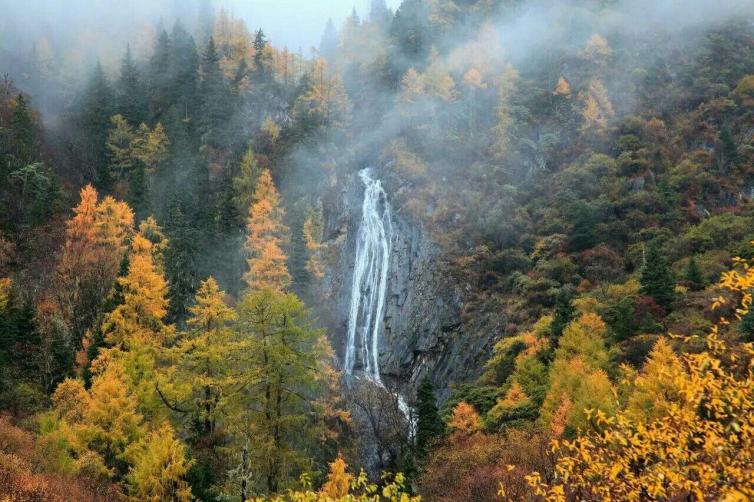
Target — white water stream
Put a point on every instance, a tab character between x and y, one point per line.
369	286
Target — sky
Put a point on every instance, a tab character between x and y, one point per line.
295	23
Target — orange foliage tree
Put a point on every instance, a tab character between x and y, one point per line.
96	240
266	237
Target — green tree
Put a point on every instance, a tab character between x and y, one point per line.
22	131
180	261
694	277
564	313
131	97
97	107
657	278
284	363
429	425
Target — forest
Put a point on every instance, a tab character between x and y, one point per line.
460	250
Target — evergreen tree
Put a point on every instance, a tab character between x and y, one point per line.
328	46
657	279
22	131
410	33
184	66
216	105
160	84
563	314
694	277
380	14
97	107
429	425
262	59
131	97
180	261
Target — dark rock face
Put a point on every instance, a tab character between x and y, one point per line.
424	333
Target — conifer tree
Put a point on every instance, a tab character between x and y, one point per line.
22	131
284	361
131	97
94	247
245	183
655	389
201	378
160	86
215	96
96	109
656	277
328	46
694	277
180	261
429	425
563	314
266	236
159	467
578	380
184	65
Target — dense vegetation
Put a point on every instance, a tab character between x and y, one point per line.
588	188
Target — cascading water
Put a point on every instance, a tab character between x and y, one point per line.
369	286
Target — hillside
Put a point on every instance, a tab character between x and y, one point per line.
497	249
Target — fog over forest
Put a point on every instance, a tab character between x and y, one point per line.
406	250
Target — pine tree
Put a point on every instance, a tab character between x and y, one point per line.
563	314
328	46
180	261
429	425
22	131
380	14
288	359
657	279
266	236
160	86
184	66
216	103
97	107
131	98
694	277
262	71
95	244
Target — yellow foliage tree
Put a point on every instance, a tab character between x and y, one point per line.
598	109
313	234
159	466
338	482
699	444
266	236
655	389
578	374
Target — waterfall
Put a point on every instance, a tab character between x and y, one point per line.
369	286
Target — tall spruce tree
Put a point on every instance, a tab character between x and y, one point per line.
160	85
131	97
328	46
98	105
429	425
563	314
657	279
694	277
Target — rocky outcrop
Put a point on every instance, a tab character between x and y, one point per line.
424	332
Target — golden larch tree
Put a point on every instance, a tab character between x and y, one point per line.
266	237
